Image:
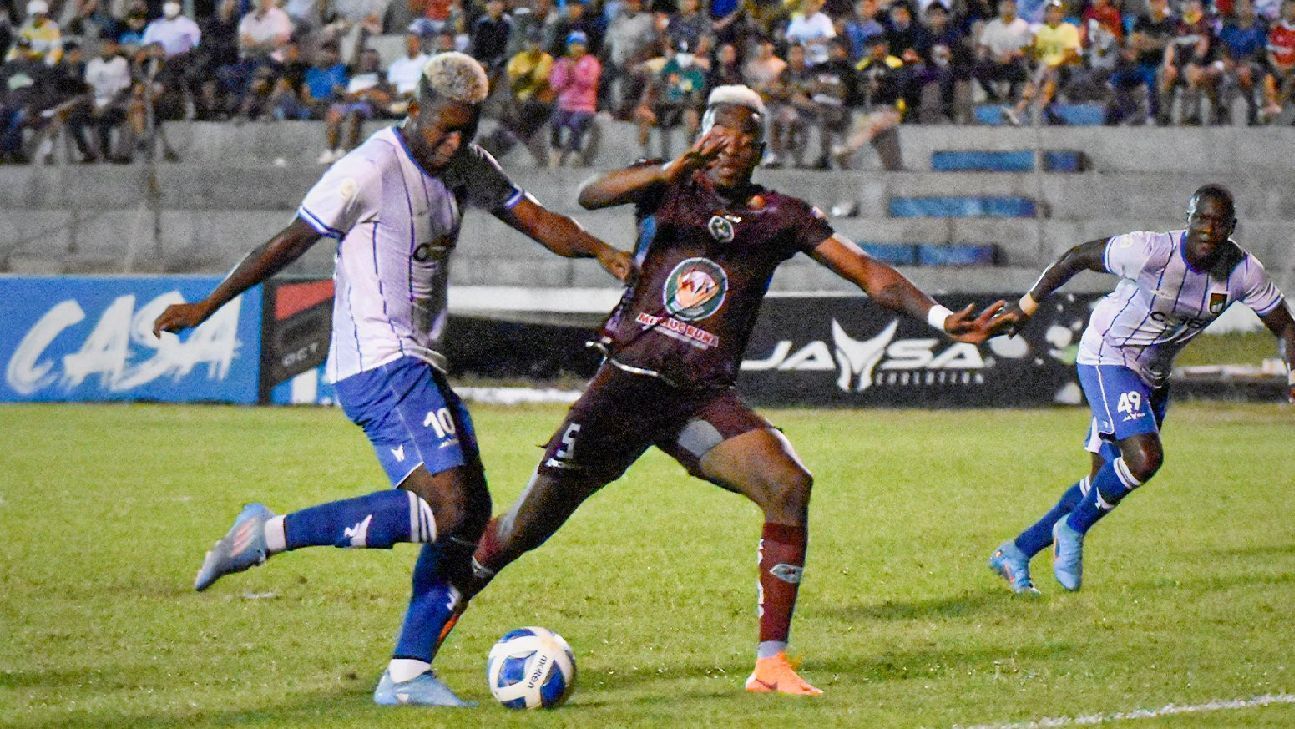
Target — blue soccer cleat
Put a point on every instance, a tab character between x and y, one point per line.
1010	563
425	689
1067	555
242	547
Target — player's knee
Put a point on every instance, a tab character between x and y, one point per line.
788	500
1144	459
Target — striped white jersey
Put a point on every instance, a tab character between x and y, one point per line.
1161	302
396	226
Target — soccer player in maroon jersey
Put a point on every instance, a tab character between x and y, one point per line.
709	241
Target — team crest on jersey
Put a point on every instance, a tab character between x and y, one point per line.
695	289
1218	302
721	227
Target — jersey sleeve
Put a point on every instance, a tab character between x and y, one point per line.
342	197
1126	255
810	228
1255	289
482	181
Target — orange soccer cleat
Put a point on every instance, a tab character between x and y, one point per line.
776	674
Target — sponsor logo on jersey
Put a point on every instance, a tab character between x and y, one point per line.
721	227
695	289
1218	302
879	360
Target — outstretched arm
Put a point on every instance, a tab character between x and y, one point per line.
1088	256
1280	323
889	288
565	236
263	262
626	184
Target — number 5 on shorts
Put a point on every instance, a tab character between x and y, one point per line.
568	449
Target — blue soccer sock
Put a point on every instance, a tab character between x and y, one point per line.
1034	539
1111	484
431	605
375	521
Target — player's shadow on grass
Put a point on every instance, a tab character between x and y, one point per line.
956	606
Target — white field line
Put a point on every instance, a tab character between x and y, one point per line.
1166	710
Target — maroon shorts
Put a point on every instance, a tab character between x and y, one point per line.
621	414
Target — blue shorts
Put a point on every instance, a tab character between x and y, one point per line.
1122	404
411	417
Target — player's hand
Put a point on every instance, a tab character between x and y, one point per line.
704	151
616	262
1010	320
967	326
178	317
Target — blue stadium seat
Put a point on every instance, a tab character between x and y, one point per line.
957	254
956	206
982	160
1064	160
895	254
1069	114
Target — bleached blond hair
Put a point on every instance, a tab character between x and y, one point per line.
453	76
738	95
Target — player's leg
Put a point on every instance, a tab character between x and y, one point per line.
731	446
1129	413
605	431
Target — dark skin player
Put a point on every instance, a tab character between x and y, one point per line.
1210	222
435	130
759	463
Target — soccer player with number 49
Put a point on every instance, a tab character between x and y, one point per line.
1172	286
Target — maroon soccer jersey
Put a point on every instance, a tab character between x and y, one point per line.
704	267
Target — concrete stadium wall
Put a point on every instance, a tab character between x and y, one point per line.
240	183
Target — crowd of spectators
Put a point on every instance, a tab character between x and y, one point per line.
840	74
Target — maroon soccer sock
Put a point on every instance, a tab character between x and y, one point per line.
782	560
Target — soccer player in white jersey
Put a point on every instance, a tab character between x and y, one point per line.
394	205
1172	285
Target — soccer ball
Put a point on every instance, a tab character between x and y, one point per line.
531	668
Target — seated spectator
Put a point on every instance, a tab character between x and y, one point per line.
578	19
108	76
1101	14
631	40
217	53
674	96
1152	33
811	29
404	73
262	36
367	96
726	22
530	101
880	77
1056	48
158	95
1189	62
177	34
130	36
761	72
1243	40
861	27
1280	84
1001	53
326	83
23	83
42	33
574	79
947	58
793	110
490	34
687	26
834	93
724	70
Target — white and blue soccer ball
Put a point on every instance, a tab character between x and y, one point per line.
531	668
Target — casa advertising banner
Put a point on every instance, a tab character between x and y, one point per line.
819	350
90	338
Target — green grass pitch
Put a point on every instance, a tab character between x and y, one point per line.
105	512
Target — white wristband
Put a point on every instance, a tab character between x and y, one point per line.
936	316
1028	305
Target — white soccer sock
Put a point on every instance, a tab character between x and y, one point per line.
276	539
407	669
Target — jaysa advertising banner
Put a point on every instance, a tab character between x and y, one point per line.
88	338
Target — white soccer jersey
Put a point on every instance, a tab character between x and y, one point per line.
1161	302
396	226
